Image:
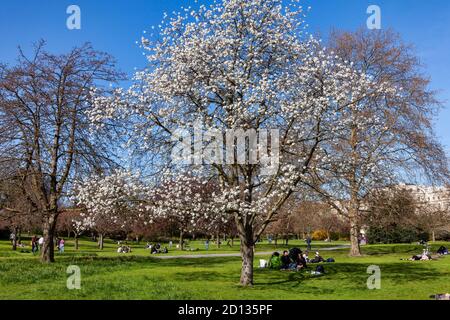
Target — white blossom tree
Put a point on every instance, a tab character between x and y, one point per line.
112	202
187	200
244	66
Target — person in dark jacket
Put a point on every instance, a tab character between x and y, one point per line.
308	243
301	262
285	261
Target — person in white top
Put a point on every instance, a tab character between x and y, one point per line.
41	243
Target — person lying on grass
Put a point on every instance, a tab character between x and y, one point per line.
317	258
425	256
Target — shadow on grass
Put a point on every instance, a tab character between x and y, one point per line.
349	275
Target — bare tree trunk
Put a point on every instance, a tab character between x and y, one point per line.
100	241
218	240
48	248
355	249
354	208
14	239
433	236
247	254
181	240
76	241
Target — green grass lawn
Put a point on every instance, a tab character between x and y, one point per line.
108	275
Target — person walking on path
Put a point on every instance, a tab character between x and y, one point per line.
34	245
40	243
61	245
308	243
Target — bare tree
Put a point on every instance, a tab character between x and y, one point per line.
43	100
387	137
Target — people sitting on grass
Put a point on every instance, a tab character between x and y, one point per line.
156	249
442	251
306	256
301	261
291	260
275	261
285	260
317	258
124	249
294	260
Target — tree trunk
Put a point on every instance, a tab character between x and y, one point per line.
100	241
48	248
181	240
14	239
354	206
433	236
76	241
355	249
218	240
247	255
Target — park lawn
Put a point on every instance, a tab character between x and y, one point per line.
108	275
88	247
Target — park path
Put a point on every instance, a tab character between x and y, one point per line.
223	255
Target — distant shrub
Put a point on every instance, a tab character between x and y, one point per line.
319	235
395	234
443	236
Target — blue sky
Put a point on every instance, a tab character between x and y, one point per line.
115	25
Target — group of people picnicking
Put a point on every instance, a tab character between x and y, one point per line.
157	248
296	260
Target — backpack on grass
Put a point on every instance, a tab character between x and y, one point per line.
320	269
